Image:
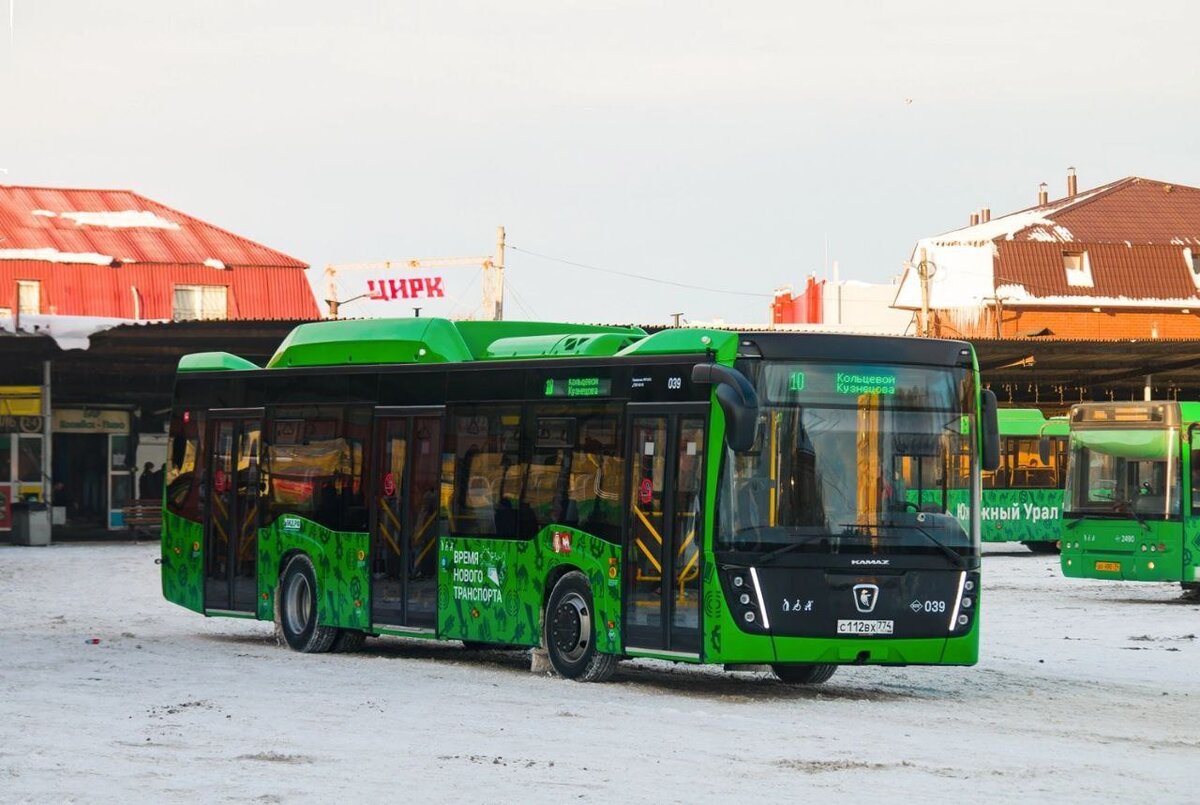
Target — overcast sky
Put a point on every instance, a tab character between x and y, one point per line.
713	144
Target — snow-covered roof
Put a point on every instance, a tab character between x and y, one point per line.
1133	238
110	227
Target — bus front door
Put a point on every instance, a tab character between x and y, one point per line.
407	482
231	539
663	546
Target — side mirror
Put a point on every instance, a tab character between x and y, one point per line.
737	399
990	454
1044	450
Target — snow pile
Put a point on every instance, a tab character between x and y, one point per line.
69	332
213	262
124	219
51	255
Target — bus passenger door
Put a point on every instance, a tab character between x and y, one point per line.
231	538
407	483
664	532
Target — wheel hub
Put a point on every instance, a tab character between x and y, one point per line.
572	627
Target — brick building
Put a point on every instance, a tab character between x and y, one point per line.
1117	261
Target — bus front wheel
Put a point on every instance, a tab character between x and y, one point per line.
803	674
570	632
298	609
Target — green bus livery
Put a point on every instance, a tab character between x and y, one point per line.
690	495
1022	497
1127	512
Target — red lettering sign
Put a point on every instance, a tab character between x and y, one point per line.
646	492
389	484
387	290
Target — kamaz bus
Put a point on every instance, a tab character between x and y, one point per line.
690	495
1131	508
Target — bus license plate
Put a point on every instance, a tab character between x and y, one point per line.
864	627
1111	567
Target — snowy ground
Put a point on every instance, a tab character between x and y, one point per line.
1084	693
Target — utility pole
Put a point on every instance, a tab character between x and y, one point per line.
923	274
493	281
676	317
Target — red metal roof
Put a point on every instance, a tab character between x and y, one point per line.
117	253
1136	210
33	218
1117	270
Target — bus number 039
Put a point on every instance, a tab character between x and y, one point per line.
674	382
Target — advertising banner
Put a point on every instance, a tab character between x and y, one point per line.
396	289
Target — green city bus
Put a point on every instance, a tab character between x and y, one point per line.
1022	497
690	495
1127	514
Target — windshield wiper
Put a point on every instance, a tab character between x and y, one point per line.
951	554
1123	506
804	539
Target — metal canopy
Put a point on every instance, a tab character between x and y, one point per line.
134	365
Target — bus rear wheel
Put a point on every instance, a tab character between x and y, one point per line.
803	674
1042	546
298	609
570	632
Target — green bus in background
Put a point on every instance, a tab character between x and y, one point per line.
690	495
1022	498
1131	508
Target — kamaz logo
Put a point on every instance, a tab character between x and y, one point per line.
870	561
291	523
865	596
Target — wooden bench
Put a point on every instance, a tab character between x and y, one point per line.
143	517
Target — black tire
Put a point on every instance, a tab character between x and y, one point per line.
1191	591
298	609
1042	547
803	674
569	632
348	640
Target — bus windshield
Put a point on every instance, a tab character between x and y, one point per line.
1124	473
852	459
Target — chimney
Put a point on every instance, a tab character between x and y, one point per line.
974	218
1043	195
985	215
1071	186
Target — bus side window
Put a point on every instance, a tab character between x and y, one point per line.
488	472
184	495
313	466
1195	481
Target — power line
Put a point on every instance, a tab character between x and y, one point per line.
639	276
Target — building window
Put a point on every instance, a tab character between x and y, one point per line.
1078	269
1189	257
29	296
200	302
